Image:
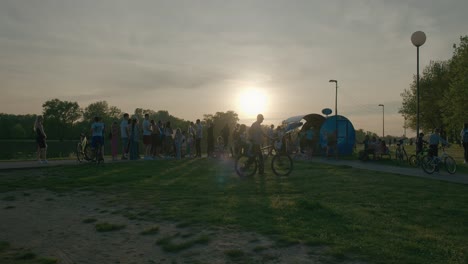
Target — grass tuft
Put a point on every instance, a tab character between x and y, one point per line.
89	220
9	198
167	244
25	256
235	254
4	245
151	231
107	227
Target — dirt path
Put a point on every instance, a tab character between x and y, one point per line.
51	225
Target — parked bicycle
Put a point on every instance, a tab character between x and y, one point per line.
85	152
281	164
400	152
431	164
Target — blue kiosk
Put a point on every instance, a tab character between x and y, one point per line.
323	126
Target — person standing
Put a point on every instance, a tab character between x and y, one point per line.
420	143
97	131
134	140
256	136
198	137
155	139
225	135
147	137
169	140
210	139
40	140
124	133
114	139
178	140
464	140
310	139
332	144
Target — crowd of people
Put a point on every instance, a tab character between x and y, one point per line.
160	140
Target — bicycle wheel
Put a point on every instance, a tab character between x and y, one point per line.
281	165
89	153
246	166
413	161
79	153
450	165
428	164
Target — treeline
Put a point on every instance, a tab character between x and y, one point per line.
65	120
443	95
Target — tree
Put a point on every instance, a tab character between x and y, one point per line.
457	94
220	119
433	84
60	116
443	94
108	114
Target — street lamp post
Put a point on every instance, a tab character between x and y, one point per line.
418	38
336	112
383	120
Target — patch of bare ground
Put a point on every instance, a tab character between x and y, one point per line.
65	226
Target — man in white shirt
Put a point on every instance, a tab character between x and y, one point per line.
124	135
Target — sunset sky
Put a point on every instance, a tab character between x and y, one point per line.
198	57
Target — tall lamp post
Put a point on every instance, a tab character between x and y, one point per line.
336	111
418	39
383	120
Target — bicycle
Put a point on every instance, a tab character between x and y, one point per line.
431	164
247	163
83	149
415	160
400	152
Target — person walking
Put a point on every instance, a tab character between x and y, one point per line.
40	140
464	140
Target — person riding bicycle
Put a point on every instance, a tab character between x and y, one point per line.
256	136
434	140
97	132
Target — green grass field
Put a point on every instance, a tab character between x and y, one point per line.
355	214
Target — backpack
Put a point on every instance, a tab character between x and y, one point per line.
465	136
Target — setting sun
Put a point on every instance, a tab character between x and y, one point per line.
252	102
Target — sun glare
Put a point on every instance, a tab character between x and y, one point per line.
252	102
